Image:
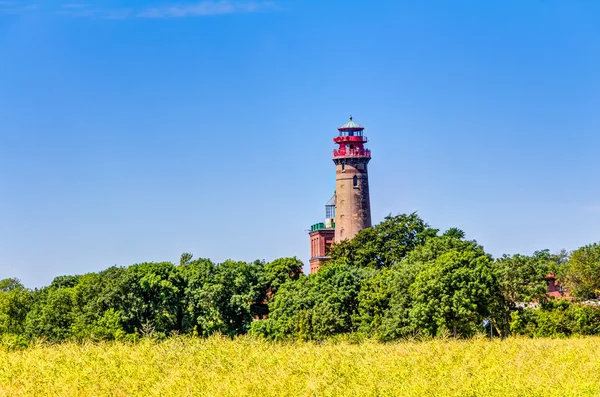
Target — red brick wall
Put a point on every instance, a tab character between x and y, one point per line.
352	202
320	241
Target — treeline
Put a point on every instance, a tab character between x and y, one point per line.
195	297
398	279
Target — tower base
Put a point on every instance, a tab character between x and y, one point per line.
317	263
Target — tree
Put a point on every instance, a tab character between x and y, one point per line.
385	301
279	272
374	302
200	313
51	316
90	306
521	279
315	307
185	259
221	298
15	302
454	293
384	244
582	273
153	296
236	288
454	232
99	305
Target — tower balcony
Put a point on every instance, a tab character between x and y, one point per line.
350	139
351	153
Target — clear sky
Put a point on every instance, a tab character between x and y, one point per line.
134	131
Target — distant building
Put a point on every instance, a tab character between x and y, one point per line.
349	210
556	290
321	237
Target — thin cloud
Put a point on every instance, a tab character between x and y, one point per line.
14	7
85	12
203	8
174	10
72	6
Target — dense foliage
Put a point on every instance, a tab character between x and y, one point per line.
400	278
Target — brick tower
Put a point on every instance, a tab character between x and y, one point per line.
353	206
349	210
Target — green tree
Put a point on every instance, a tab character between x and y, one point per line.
51	316
201	315
99	305
222	298
315	307
454	293
238	288
455	233
521	280
185	259
374	302
88	306
15	303
385	301
582	273
384	244
153	298
279	272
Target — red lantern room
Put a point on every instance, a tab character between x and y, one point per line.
351	141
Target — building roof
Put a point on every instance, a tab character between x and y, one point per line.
331	201
351	125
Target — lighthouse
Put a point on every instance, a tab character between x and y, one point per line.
352	202
349	210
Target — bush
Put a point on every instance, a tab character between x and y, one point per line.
557	319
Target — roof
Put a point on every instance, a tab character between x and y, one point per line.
550	276
351	125
331	201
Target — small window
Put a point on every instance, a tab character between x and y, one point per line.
343	167
355	181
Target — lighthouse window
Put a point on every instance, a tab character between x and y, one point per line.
343	167
355	181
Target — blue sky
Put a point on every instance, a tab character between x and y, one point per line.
134	131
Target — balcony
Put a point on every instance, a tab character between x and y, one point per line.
317	226
321	226
352	153
350	139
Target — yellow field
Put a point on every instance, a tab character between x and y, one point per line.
248	367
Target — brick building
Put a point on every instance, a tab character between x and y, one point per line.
556	290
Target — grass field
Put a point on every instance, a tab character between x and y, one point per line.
247	367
